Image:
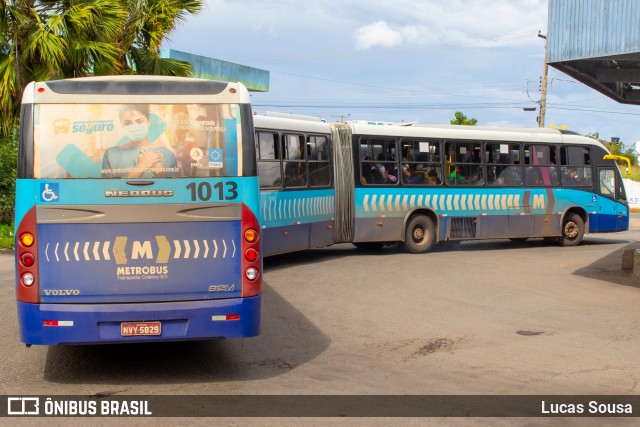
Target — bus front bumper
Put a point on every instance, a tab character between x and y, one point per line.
51	324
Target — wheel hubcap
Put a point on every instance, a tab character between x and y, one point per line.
571	230
418	234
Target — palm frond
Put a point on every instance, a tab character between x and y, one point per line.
152	64
44	47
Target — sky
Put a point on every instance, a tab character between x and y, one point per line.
403	60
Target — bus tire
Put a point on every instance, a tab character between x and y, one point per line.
518	239
420	235
572	230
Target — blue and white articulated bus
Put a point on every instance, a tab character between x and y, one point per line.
137	212
373	184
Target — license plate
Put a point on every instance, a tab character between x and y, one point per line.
128	329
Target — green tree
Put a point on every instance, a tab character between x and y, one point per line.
48	39
8	160
149	23
42	40
617	148
461	119
54	39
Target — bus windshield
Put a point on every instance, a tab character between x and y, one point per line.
136	140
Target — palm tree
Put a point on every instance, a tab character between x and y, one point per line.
42	40
49	39
149	24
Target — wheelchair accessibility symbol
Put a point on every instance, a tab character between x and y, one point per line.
49	192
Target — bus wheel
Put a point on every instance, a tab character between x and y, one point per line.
572	230
518	239
420	235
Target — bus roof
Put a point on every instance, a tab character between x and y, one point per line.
292	123
284	121
134	89
485	133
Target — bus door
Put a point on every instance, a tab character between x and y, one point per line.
611	209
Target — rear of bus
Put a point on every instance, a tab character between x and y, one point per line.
136	212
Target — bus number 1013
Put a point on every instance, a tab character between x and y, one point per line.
204	190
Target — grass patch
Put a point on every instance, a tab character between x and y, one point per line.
6	236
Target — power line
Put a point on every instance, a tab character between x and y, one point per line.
490	42
515	84
595	111
392	107
385	106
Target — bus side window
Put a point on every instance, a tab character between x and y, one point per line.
464	163
367	163
575	166
607	182
420	163
378	163
318	157
269	159
541	170
294	165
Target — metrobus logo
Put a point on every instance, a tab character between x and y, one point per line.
141	250
122	250
538	201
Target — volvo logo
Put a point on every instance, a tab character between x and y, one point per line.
61	292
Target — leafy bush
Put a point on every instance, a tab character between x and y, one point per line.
634	173
619	149
6	236
8	167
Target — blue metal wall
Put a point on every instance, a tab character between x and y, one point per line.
254	79
582	29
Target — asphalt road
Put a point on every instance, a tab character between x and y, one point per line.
492	317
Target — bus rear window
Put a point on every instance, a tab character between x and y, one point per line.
136	140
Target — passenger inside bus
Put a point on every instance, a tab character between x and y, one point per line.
511	176
455	176
385	176
412	177
433	178
369	172
570	177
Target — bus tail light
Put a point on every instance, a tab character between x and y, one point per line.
251	273
251	235
27	254
27	259
26	239
251	255
252	260
28	279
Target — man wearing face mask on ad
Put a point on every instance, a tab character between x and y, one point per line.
138	158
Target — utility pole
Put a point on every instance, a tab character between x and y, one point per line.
543	84
343	117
